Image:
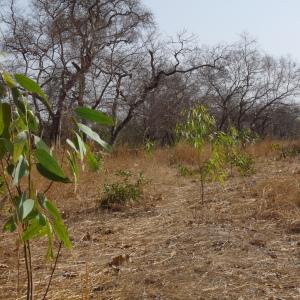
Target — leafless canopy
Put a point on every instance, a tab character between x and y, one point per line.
106	54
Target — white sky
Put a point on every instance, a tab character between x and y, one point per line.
274	23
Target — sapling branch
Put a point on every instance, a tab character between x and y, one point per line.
52	271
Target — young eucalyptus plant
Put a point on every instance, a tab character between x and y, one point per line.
32	214
225	148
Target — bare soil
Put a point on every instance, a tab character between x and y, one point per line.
241	243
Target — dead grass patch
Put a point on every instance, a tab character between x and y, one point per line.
157	250
183	153
270	148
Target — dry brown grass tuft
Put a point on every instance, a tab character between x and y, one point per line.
278	196
183	153
263	148
272	148
279	193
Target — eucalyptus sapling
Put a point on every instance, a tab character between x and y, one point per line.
224	148
32	214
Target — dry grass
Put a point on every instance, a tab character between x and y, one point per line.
280	193
241	244
271	148
184	153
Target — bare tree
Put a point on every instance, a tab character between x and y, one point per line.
158	62
64	43
248	84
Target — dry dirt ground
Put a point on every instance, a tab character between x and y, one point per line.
242	243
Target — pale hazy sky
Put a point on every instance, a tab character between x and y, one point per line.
274	23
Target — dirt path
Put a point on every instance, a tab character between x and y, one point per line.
232	247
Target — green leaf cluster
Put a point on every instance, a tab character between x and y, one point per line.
226	152
22	151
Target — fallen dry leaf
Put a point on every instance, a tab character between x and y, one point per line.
119	260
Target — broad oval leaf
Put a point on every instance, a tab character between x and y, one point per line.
32	230
18	146
33	121
44	172
49	167
40	144
20	170
59	226
94	116
32	87
27	207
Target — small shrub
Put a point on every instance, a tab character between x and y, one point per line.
149	147
245	164
200	130
118	193
289	151
185	171
275	147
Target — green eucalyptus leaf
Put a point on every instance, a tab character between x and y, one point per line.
94	116
33	121
20	170
45	173
52	210
40	144
73	166
32	87
8	80
41	219
92	161
59	226
72	145
93	135
18	124
49	167
62	233
49	233
18	146
81	146
27	207
32	230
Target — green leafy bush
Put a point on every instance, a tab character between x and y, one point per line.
185	171
149	147
226	148
118	193
245	164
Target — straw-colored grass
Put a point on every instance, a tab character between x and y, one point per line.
241	244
